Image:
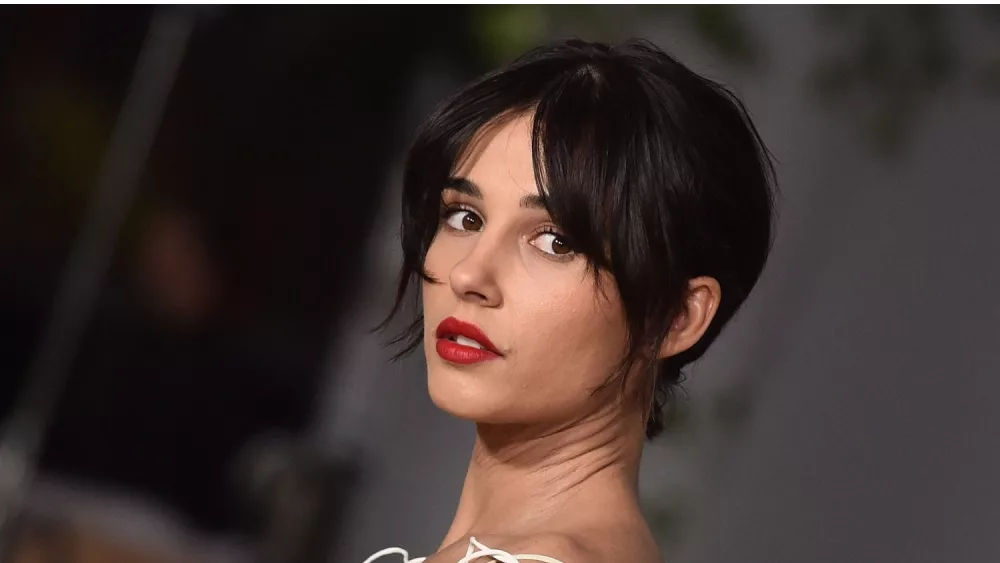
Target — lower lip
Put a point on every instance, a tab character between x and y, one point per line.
458	354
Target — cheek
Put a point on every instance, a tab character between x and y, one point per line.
572	330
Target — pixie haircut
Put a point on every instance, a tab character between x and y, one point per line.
655	174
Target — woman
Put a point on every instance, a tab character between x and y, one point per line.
583	223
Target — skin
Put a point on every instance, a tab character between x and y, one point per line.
554	469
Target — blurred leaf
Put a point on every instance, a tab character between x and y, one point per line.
872	57
734	406
936	62
889	125
721	27
70	128
839	15
669	519
588	21
831	80
680	423
934	52
508	31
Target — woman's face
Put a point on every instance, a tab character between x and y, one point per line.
504	267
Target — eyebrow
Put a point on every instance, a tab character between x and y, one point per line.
469	188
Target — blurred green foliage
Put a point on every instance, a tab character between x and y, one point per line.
669	518
506	31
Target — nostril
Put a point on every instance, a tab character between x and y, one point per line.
476	295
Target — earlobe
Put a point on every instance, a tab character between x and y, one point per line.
700	306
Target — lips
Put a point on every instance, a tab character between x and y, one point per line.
464	343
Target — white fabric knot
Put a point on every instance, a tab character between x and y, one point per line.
475	551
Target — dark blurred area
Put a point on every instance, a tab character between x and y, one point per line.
243	243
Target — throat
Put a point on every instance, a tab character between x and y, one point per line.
520	485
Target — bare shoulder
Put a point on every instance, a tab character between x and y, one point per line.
564	547
606	545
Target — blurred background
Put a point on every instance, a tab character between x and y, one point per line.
224	400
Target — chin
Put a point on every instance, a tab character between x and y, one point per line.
465	394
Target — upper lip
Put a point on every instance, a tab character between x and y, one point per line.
454	327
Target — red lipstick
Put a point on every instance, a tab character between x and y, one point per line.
464	343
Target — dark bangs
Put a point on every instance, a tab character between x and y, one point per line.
655	174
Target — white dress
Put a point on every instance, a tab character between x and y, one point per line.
475	551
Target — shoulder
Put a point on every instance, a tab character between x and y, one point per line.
612	542
564	547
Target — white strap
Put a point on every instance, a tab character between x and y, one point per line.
475	551
393	551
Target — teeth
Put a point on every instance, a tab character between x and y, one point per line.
464	341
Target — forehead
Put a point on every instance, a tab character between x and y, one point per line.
499	158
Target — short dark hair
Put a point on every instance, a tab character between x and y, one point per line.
656	174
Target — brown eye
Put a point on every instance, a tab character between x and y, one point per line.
560	247
464	220
552	243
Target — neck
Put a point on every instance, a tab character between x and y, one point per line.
525	477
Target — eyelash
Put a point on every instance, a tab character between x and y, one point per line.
447	210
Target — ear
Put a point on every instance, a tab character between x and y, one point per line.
696	314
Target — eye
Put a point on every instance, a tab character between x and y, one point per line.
552	243
463	220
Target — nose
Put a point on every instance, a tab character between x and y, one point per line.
474	277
